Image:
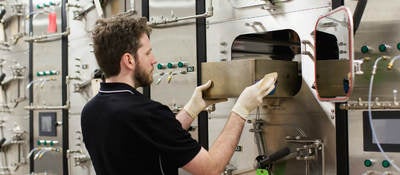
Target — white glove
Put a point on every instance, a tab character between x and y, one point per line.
196	103
253	95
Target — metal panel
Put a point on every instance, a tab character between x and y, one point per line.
301	115
379	25
49	54
173	45
231	10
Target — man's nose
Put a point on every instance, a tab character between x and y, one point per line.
154	60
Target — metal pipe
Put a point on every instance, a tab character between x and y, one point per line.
48	36
43	152
351	105
38	107
31	152
208	13
38	153
390	65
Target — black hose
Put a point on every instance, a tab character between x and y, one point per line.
265	161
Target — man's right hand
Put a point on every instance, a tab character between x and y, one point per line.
253	95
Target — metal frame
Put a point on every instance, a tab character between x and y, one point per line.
201	53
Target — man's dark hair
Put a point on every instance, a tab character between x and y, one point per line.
114	36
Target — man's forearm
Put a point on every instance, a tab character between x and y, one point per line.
223	148
184	118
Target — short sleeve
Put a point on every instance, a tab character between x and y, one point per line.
161	129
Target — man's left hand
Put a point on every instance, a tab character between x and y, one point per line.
196	103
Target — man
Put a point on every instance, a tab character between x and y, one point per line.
128	133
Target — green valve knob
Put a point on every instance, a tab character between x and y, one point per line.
367	163
52	3
383	47
51	142
45	142
364	49
170	65
46	5
39	73
385	163
160	66
52	72
398	46
181	64
38	6
38	142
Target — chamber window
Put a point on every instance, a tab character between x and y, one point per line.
274	45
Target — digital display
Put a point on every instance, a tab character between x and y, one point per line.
387	128
47	124
387	131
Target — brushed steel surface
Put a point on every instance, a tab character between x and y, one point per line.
171	45
330	76
292	116
379	25
374	33
48	92
301	113
357	155
231	77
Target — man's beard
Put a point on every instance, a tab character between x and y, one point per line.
141	78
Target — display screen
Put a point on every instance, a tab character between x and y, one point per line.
387	131
47	124
387	128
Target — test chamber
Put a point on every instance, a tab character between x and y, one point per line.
300	122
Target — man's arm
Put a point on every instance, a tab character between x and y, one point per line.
214	161
185	119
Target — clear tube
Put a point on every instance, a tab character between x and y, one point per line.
370	116
390	65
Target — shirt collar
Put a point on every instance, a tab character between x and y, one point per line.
117	87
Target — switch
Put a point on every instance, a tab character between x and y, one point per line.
384	47
181	64
385	164
368	162
160	66
170	65
365	49
40	73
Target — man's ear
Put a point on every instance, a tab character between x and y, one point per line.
128	59
132	59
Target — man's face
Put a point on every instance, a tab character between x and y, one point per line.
143	75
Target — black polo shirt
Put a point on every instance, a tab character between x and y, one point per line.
127	133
